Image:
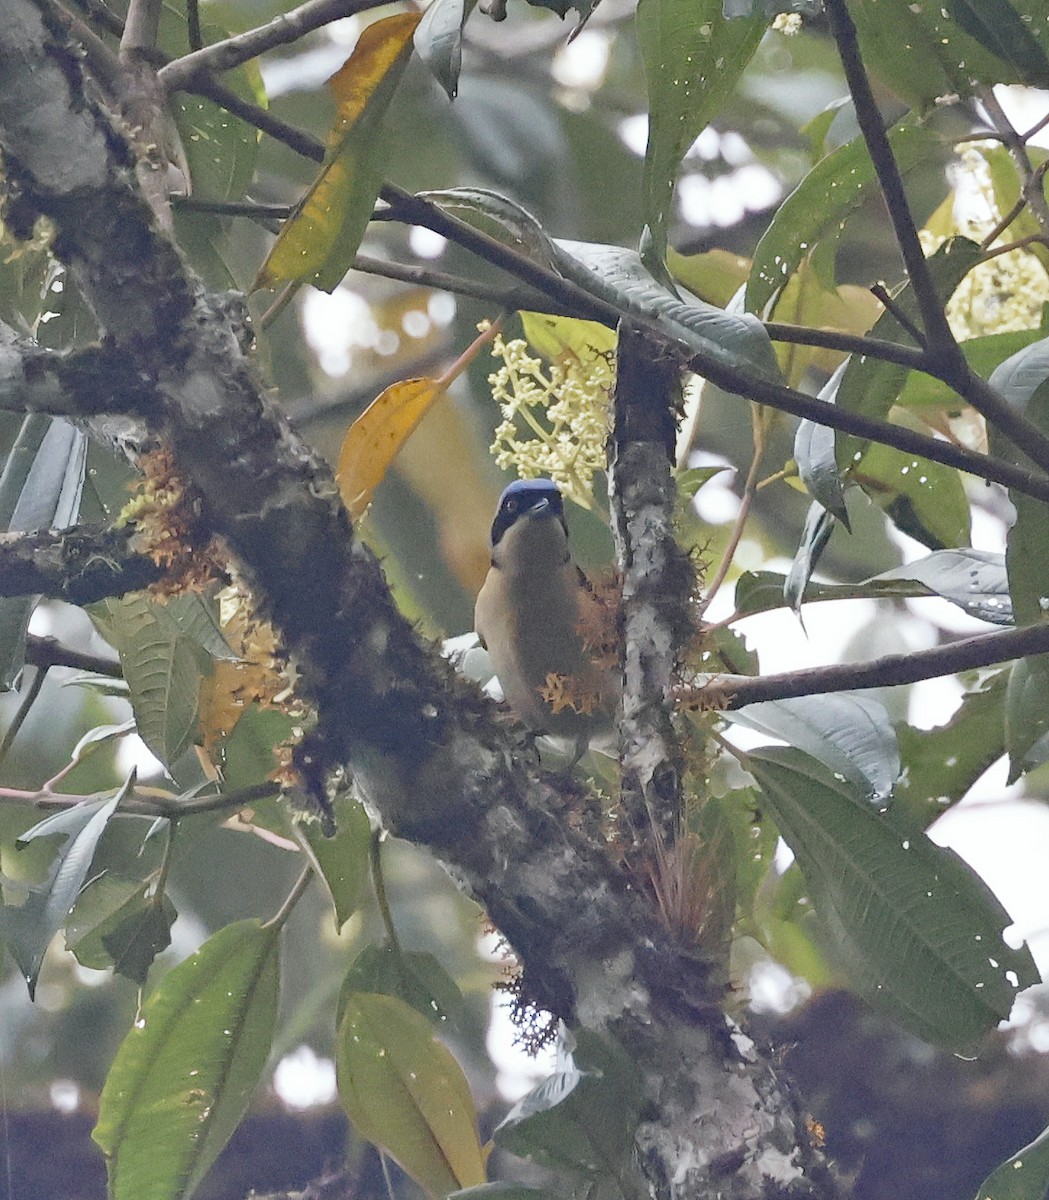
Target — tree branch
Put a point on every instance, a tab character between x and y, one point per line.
282	30
568	297
47	652
78	565
89	382
657	580
943	347
889	178
894	670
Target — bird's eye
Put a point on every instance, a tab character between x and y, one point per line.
511	506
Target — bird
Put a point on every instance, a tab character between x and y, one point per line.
533	614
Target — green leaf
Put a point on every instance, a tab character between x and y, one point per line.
815	534
974	580
318	242
923	499
40	488
917	931
763	591
814	452
581	1118
693	57
996	25
849	733
119	924
405	1092
247	754
28	929
690	480
819	206
341	860
439	41
196	618
619	277
413	976
220	148
184	1074
734	822
737	340
1025	1176
1027	715
163	670
942	764
923	51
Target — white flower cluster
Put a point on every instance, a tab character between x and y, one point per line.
555	420
1006	292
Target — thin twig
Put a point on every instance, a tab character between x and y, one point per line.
514	299
1019	244
298	890
1036	128
747	499
25	706
379	887
894	670
282	30
142	803
1030	180
193	31
46	652
881	293
260	118
236	208
889	180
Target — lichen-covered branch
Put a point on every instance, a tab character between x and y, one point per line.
84	383
657	582
79	565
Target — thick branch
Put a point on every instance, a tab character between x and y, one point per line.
894	670
657	580
79	565
81	383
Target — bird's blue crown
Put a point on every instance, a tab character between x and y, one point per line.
523	497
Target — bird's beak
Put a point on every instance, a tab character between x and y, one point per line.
539	508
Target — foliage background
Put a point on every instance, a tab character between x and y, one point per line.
530	122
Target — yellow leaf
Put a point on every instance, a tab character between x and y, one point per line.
377	435
554	337
405	1092
318	242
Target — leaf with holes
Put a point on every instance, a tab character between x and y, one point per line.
914	928
815	212
693	57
